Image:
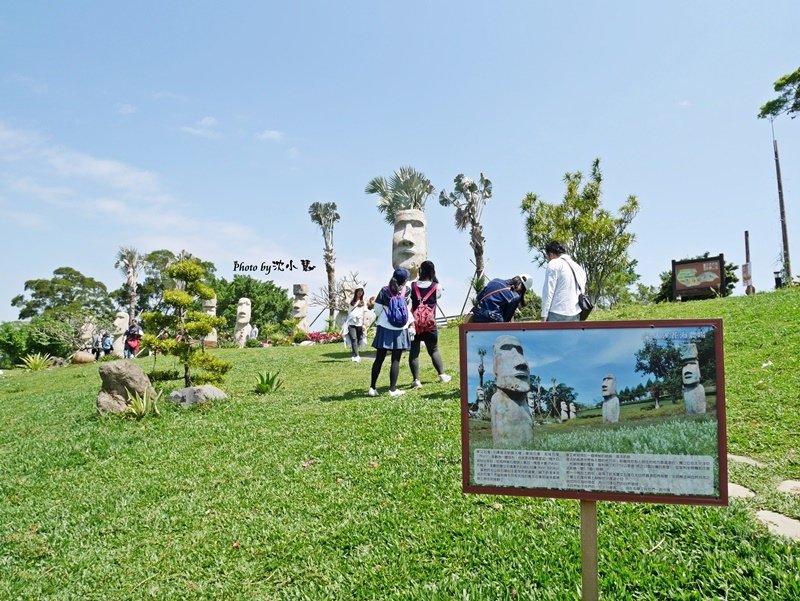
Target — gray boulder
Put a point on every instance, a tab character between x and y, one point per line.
119	377
187	397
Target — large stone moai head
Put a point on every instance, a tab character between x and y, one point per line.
511	371
244	310
242	329
210	308
300	305
609	386
410	241
120	323
118	330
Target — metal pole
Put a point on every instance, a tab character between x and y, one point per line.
787	267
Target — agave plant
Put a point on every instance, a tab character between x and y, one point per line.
268	382
36	362
140	406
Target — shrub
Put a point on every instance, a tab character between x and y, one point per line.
268	382
324	337
299	337
162	375
252	343
142	406
36	362
13	342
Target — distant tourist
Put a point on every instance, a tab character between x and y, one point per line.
133	336
355	323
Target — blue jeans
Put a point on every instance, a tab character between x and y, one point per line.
558	317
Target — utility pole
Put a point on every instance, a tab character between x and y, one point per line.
747	274
787	266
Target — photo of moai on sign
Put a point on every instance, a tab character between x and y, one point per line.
694	394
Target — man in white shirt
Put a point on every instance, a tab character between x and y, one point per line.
563	281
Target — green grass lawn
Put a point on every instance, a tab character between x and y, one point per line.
320	492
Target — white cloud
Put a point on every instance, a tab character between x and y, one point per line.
23	219
270	134
125	109
205	128
293	153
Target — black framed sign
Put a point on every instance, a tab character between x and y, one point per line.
617	410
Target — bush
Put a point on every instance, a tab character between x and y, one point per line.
36	362
268	382
142	406
299	337
252	343
13	342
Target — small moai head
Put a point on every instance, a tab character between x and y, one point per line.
511	370
609	386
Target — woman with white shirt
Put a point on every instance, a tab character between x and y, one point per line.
563	281
355	323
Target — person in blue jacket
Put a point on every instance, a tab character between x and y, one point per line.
500	298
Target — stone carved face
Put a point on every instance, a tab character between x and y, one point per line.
690	373
300	305
511	371
210	306
120	323
243	310
480	394
609	386
410	240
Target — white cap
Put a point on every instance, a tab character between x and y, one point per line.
527	280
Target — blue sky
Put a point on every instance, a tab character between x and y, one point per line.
579	357
212	127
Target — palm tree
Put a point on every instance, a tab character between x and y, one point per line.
129	262
406	188
469	199
325	216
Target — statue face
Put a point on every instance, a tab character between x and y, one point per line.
511	370
690	373
609	386
243	311
120	322
480	394
410	240
210	306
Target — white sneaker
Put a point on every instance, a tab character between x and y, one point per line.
445	378
397	392
373	392
416	384
356	359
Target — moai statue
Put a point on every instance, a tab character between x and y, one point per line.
210	308
564	411
512	425
610	399
410	241
118	330
694	394
241	331
300	306
573	412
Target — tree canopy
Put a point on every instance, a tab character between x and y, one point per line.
406	188
593	237
67	288
269	303
788	101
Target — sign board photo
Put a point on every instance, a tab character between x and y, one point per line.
623	411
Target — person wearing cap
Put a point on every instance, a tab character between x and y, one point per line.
563	281
389	337
500	298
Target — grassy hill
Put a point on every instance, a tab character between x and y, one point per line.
320	492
